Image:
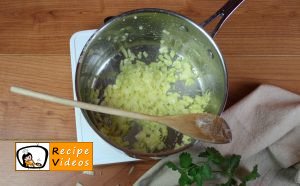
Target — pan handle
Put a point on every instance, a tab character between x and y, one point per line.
224	13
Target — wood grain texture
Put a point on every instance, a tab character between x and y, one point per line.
247	72
260	43
119	174
258	27
23	118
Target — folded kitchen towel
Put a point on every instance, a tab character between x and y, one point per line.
266	131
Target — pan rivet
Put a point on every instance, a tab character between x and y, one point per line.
183	28
210	54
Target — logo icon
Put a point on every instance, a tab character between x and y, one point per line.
32	156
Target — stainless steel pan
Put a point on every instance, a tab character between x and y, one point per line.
143	30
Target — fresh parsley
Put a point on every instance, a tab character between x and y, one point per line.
191	173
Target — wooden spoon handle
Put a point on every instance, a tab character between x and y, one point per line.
78	104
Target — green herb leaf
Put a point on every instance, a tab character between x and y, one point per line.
206	172
185	180
196	173
193	171
204	154
185	160
212	155
231	163
251	176
198	179
201	172
171	165
230	182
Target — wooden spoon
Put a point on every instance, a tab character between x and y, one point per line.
205	127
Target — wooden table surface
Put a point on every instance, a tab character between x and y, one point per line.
260	42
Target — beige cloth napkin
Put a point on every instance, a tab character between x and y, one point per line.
266	131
